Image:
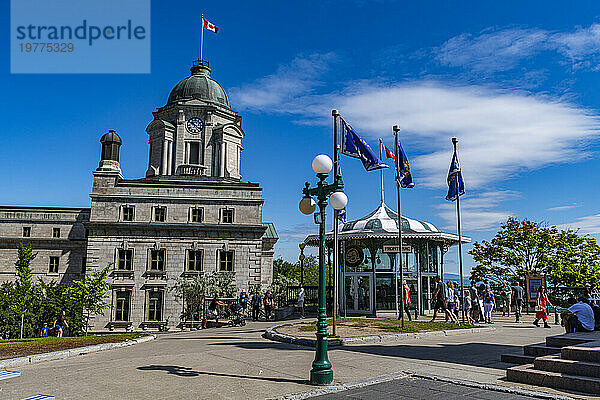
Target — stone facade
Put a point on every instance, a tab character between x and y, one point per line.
191	214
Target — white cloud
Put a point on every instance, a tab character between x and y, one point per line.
501	133
492	51
588	225
273	92
502	50
562	208
478	211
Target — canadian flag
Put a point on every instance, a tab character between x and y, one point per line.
209	26
388	153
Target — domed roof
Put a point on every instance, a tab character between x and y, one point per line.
384	220
111	137
200	86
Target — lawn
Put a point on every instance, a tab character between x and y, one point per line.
25	347
352	327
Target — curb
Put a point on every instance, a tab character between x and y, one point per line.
408	374
271	334
77	351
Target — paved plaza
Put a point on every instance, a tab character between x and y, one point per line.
419	388
238	363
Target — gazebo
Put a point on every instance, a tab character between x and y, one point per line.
369	256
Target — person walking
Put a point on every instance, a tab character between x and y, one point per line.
60	323
468	304
45	330
439	300
450	297
211	312
517	295
268	304
475	314
489	303
244	303
255	305
506	299
541	307
301	301
407	301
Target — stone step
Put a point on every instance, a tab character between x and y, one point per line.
554	363
570	339
538	350
517	359
527	374
582	352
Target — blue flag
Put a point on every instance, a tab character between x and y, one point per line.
456	185
404	175
342	215
355	146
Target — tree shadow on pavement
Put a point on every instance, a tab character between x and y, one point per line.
190	373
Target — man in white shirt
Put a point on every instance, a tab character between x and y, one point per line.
579	317
301	301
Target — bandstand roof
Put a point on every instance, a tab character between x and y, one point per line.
383	224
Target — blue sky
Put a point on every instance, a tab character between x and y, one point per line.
515	82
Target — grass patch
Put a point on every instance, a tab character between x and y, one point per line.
25	347
385	325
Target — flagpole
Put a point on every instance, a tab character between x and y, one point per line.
202	39
336	251
381	169
460	260
396	129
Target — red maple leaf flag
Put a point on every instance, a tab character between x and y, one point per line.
388	153
209	26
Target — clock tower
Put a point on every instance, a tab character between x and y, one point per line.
196	134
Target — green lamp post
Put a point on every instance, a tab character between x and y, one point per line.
321	372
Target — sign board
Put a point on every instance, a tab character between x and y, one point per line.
532	284
393	248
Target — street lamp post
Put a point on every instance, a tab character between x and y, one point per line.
302	246
321	372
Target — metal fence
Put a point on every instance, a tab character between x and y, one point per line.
311	296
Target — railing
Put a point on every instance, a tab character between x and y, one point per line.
191	170
311	296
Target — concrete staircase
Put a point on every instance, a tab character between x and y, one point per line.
570	361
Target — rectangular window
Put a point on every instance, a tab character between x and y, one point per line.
227	215
83	264
195	260
55	232
123	305
195	153
26	231
225	261
128	213
125	260
53	265
160	214
196	215
157	260
155	300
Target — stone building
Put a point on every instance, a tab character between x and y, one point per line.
191	214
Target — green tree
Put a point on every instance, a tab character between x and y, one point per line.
191	292
88	296
292	271
25	296
279	289
518	248
575	260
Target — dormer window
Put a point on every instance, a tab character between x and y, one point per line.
55	233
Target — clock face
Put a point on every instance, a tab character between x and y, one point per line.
194	125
